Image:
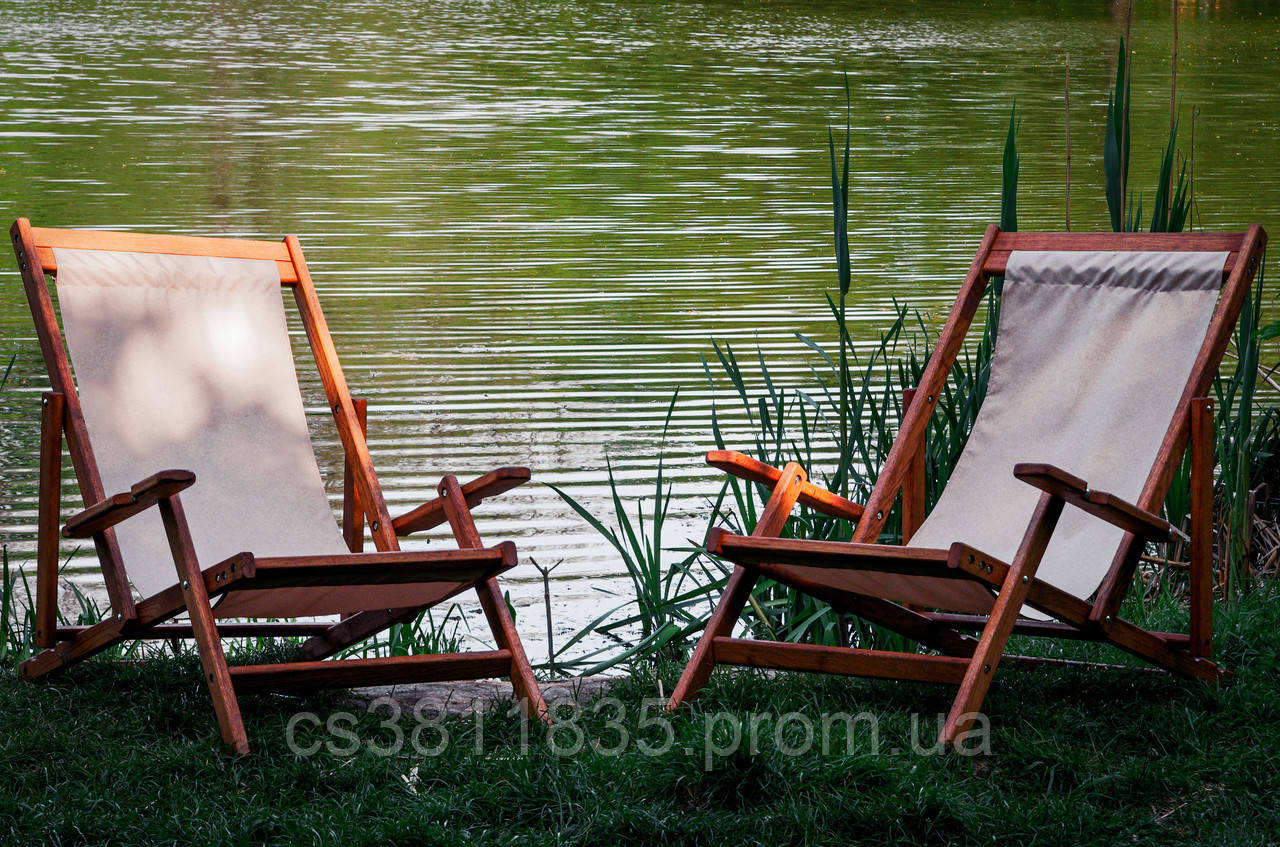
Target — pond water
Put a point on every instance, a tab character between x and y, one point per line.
528	220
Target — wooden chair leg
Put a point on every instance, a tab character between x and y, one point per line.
495	606
49	512
1201	589
738	589
1004	614
702	662
203	627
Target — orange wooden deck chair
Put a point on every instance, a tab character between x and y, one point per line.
184	382
1107	350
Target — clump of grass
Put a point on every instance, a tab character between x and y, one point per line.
670	601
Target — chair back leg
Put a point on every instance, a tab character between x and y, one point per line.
1201	589
49	518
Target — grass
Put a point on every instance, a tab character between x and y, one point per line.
1080	758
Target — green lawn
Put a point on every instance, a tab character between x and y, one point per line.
129	754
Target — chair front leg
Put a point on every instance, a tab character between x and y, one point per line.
495	606
203	627
1004	614
738	589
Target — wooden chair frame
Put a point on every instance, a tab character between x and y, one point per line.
961	659
473	565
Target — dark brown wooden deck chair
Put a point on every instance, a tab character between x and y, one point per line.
1108	345
182	360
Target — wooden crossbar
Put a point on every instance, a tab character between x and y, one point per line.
387	670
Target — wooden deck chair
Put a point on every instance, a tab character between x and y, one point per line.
182	360
1107	349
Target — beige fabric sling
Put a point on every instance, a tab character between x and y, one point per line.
185	362
1093	354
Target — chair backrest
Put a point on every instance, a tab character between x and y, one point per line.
1093	352
182	359
1103	342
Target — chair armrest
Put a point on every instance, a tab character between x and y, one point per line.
1100	504
813	496
111	511
431	513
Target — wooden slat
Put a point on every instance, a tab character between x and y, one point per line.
432	513
1187	242
831	554
839	660
218	579
402	567
1209	242
1157	650
253	629
913	482
48	516
813	496
1100	504
118	507
1041	629
93	640
1201	589
352	673
352	513
178	245
362	625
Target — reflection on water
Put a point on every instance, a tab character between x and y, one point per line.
527	220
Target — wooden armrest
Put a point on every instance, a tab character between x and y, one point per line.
431	513
109	512
816	497
1100	504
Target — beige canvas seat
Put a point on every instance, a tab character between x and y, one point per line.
1107	346
183	366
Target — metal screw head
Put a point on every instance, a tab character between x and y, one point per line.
1107	619
119	616
879	516
1025	580
930	398
971	559
986	668
374	526
185	584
